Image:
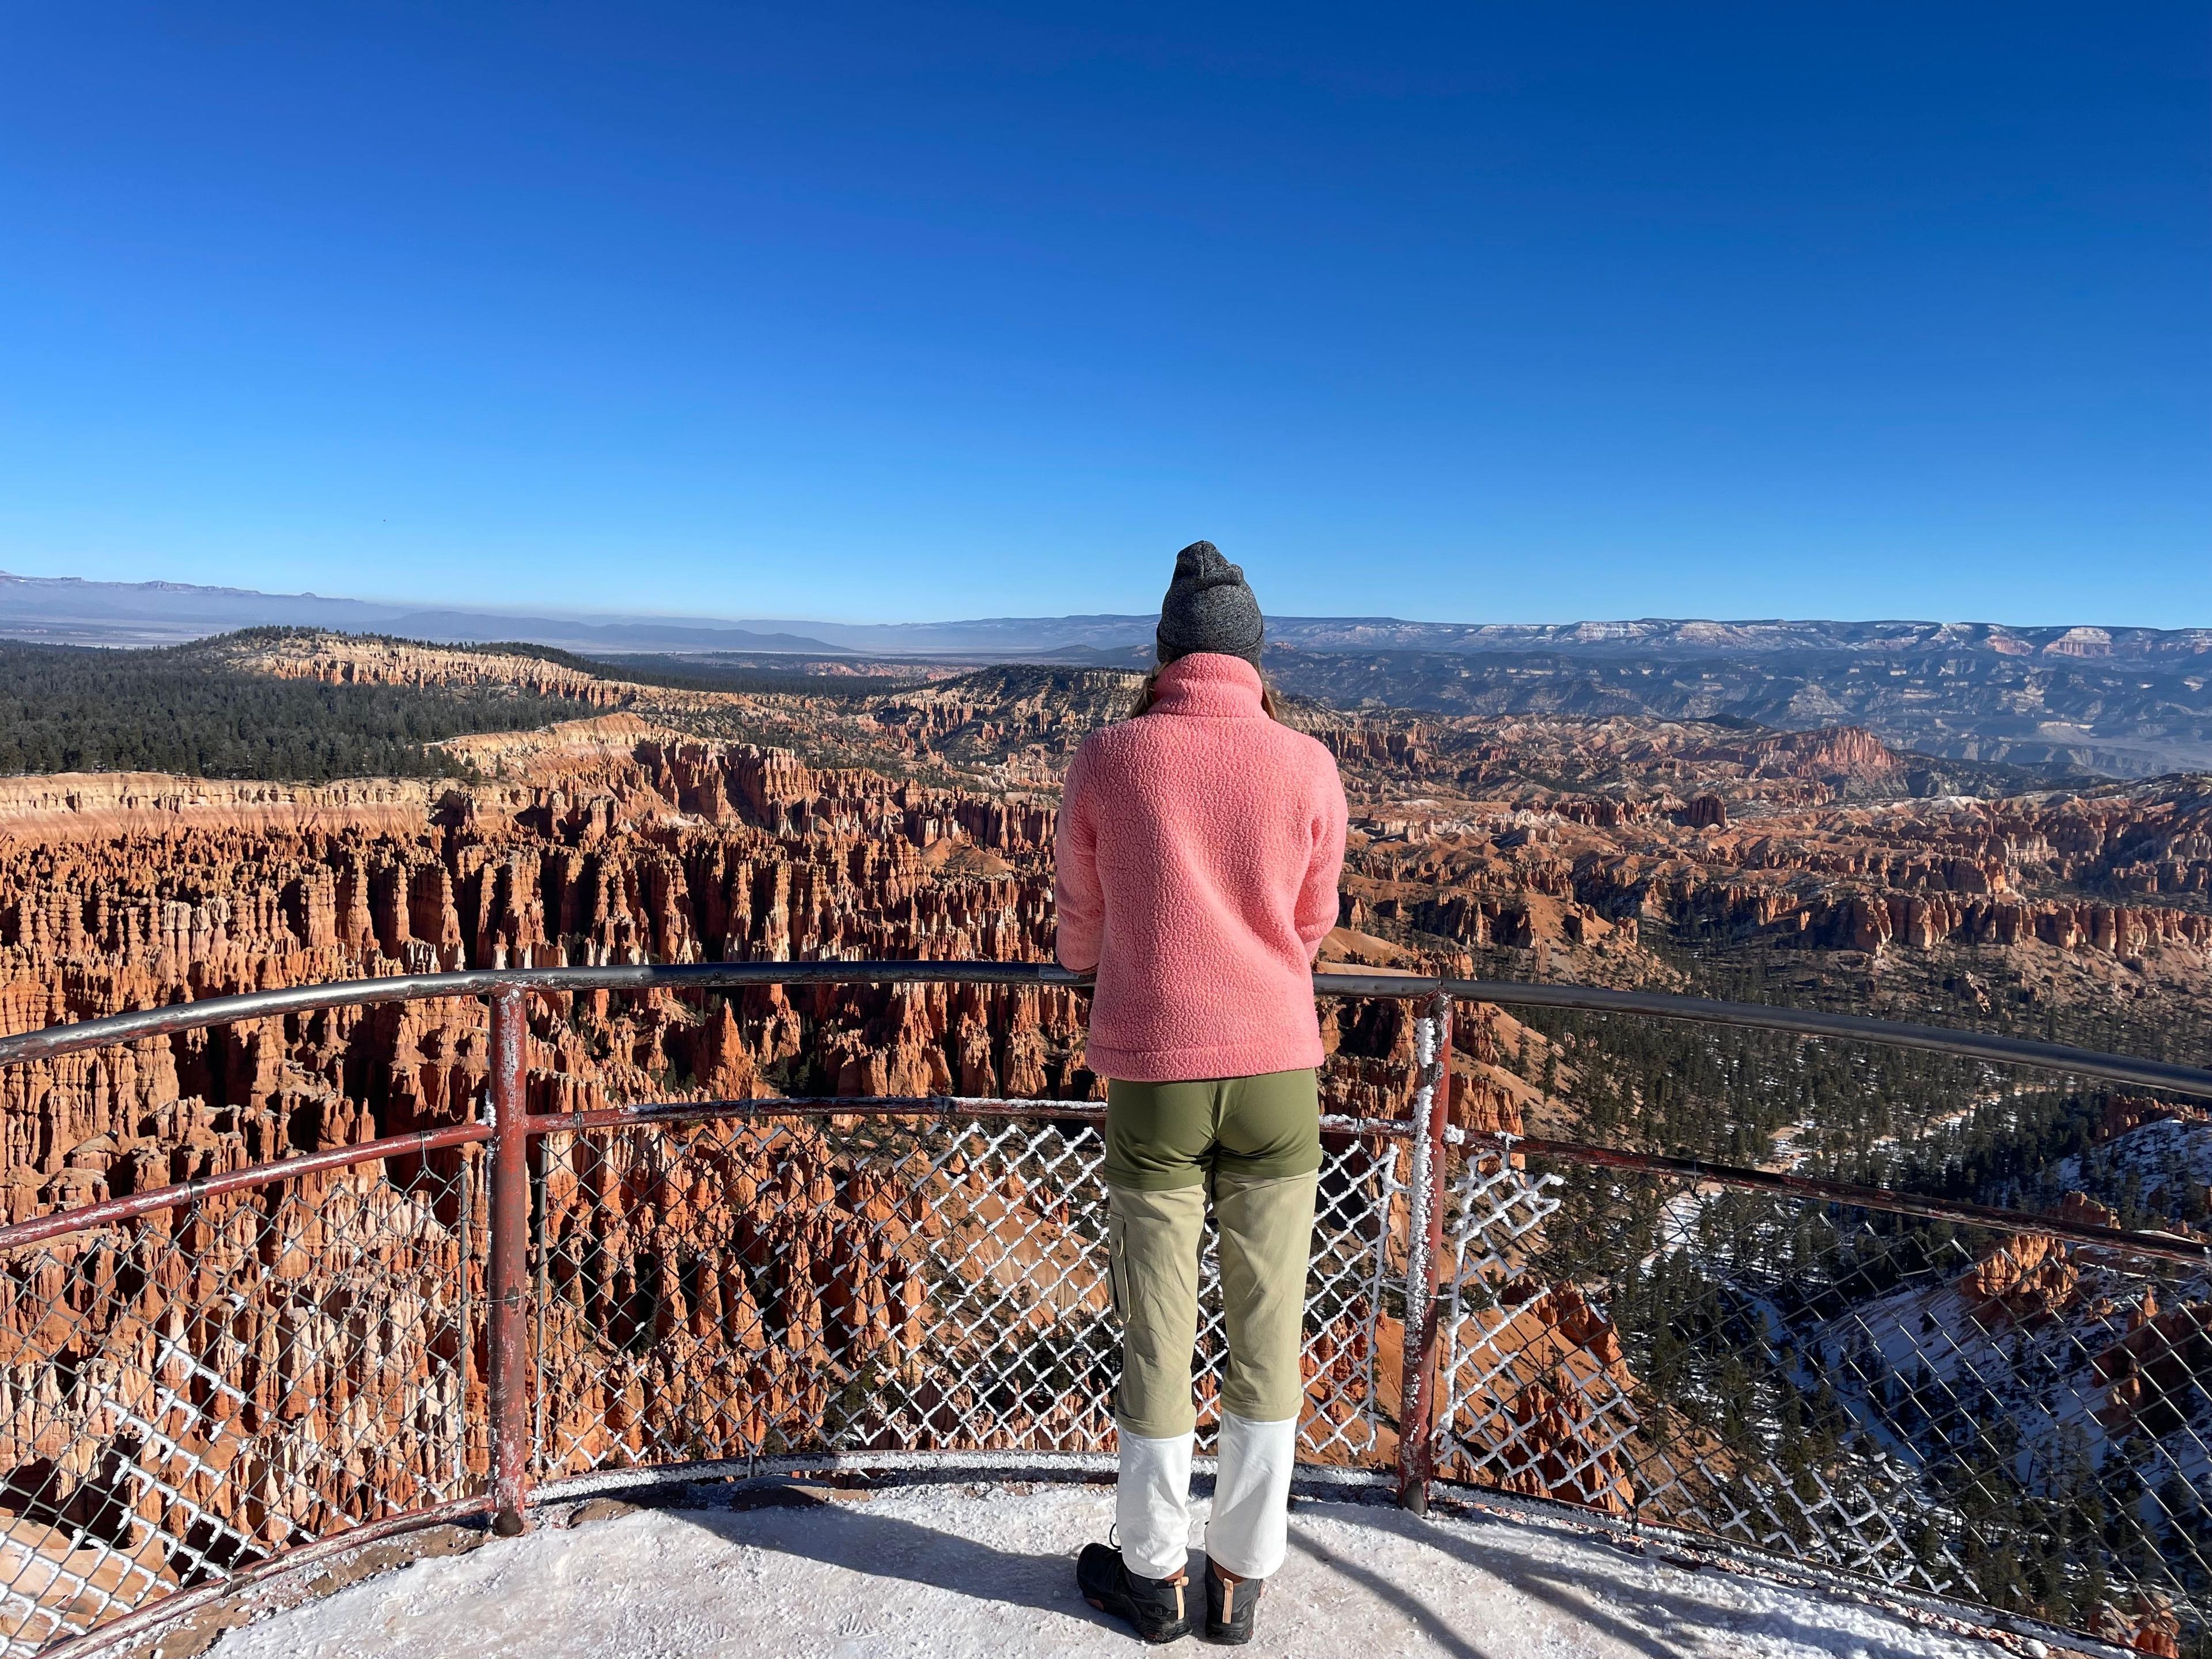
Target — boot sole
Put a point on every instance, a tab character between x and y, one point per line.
1172	1633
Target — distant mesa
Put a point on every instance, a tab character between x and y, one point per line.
2075	702
69	610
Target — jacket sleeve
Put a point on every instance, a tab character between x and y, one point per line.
1078	901
1317	898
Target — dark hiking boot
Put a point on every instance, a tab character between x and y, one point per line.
1158	1608
1230	1605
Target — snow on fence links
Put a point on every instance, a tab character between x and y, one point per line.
203	1379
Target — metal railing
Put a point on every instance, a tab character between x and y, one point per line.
235	1370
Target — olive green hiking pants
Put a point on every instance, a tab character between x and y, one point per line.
1253	1145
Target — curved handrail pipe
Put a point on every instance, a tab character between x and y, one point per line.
53	1040
37	1230
107	1212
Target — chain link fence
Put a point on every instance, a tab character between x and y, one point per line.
739	1290
1997	1417
187	1393
197	1382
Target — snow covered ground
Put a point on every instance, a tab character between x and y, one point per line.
950	1570
2151	1164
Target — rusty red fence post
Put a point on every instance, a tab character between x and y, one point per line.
507	1336
1425	1243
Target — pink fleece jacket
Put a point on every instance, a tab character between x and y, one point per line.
1199	847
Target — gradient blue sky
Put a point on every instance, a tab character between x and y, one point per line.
881	311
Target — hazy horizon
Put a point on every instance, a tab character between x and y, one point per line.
431	605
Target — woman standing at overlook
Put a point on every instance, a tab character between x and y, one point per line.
1199	847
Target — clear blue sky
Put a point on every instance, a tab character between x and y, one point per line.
1488	312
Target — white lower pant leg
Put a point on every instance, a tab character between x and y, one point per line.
1252	1496
1152	1503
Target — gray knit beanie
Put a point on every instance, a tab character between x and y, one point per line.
1208	608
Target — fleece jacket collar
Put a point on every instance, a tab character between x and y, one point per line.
1209	685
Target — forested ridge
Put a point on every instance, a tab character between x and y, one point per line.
690	674
183	709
